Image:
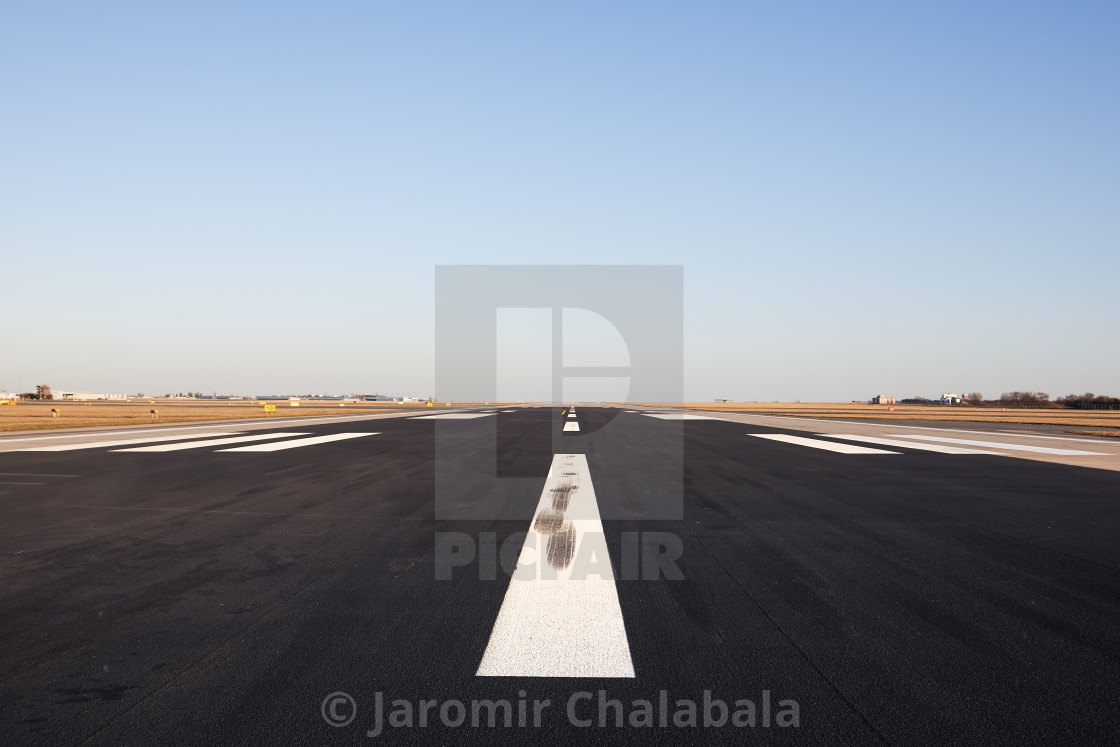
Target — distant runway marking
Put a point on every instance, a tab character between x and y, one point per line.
677	416
124	442
504	412
210	442
454	416
824	445
1100	440
907	444
572	415
298	443
571	426
561	616
1010	447
889	425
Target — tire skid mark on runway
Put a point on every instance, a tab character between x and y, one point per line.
561	616
224	511
32	474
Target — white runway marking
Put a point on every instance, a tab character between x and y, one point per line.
677	416
571	426
124	442
572	415
130	432
505	412
907	444
561	616
888	424
998	445
210	442
454	416
1100	440
825	445
298	443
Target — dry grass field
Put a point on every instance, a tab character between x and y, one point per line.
1103	420
27	416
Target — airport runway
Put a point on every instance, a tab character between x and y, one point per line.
256	582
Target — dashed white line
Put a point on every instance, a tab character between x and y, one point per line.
571	426
561	616
824	445
297	443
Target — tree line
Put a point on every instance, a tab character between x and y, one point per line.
1087	401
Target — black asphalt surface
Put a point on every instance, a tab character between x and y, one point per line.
195	597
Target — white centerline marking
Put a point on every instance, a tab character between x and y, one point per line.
298	443
571	426
825	445
561	616
907	444
124	442
210	442
999	445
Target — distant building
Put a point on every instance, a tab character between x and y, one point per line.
952	399
87	396
882	399
6	398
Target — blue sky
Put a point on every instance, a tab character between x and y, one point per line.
865	197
